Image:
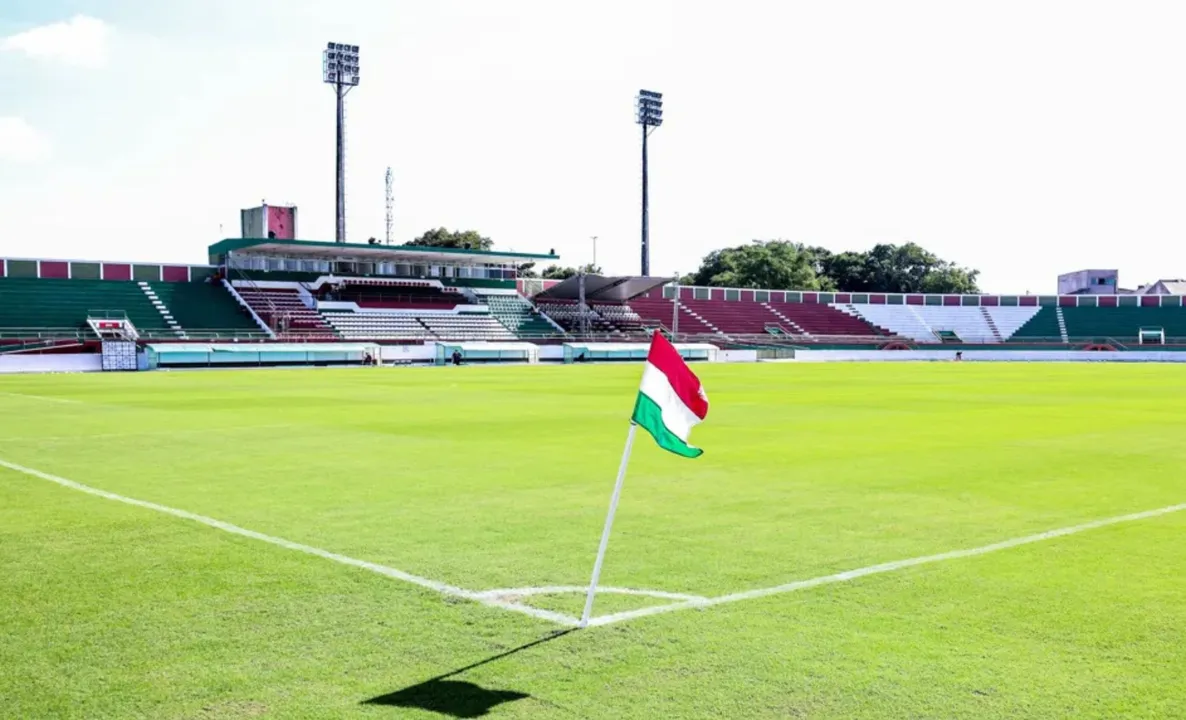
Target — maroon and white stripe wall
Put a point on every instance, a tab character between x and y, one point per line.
687	292
86	270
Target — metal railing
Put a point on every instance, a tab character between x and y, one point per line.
31	346
753	339
16	333
275	318
107	314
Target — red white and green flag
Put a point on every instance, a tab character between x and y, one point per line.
670	403
671	400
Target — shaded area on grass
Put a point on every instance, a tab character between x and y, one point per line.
458	698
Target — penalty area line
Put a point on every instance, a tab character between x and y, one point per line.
440	587
885	567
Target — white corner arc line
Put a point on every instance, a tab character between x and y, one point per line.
489	599
601	589
885	567
440	587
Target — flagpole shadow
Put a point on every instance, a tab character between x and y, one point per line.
459	698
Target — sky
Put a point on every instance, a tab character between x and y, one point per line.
1020	138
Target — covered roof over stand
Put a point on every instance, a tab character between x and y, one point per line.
603	289
353	252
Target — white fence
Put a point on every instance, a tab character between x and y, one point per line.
30	363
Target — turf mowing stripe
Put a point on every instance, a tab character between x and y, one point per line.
884	567
45	398
493	598
440	587
148	433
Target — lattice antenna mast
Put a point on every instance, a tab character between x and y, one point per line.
339	68
390	199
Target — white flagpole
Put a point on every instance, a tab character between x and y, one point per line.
609	523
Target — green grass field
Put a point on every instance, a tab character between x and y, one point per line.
488	478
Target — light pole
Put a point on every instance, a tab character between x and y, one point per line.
594	239
675	310
389	202
649	108
339	67
583	322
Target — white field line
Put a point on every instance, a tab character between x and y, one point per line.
440	587
44	398
601	589
884	567
494	598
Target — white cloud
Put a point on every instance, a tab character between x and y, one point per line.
21	142
80	41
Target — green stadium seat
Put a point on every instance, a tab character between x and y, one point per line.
202	306
1043	326
518	315
65	304
1123	323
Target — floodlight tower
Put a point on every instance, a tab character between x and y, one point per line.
649	108
339	67
390	203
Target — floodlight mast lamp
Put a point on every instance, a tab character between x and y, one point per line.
649	107
339	67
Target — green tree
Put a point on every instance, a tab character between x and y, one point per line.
783	265
820	256
527	270
848	271
910	268
770	264
555	272
461	240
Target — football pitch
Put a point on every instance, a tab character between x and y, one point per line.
859	541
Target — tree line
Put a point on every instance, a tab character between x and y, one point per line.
780	265
784	265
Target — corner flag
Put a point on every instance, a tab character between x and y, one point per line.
671	400
670	403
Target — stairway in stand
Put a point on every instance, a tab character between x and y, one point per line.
996	333
794	326
692	313
163	310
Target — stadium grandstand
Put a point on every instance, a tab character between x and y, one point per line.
292	291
